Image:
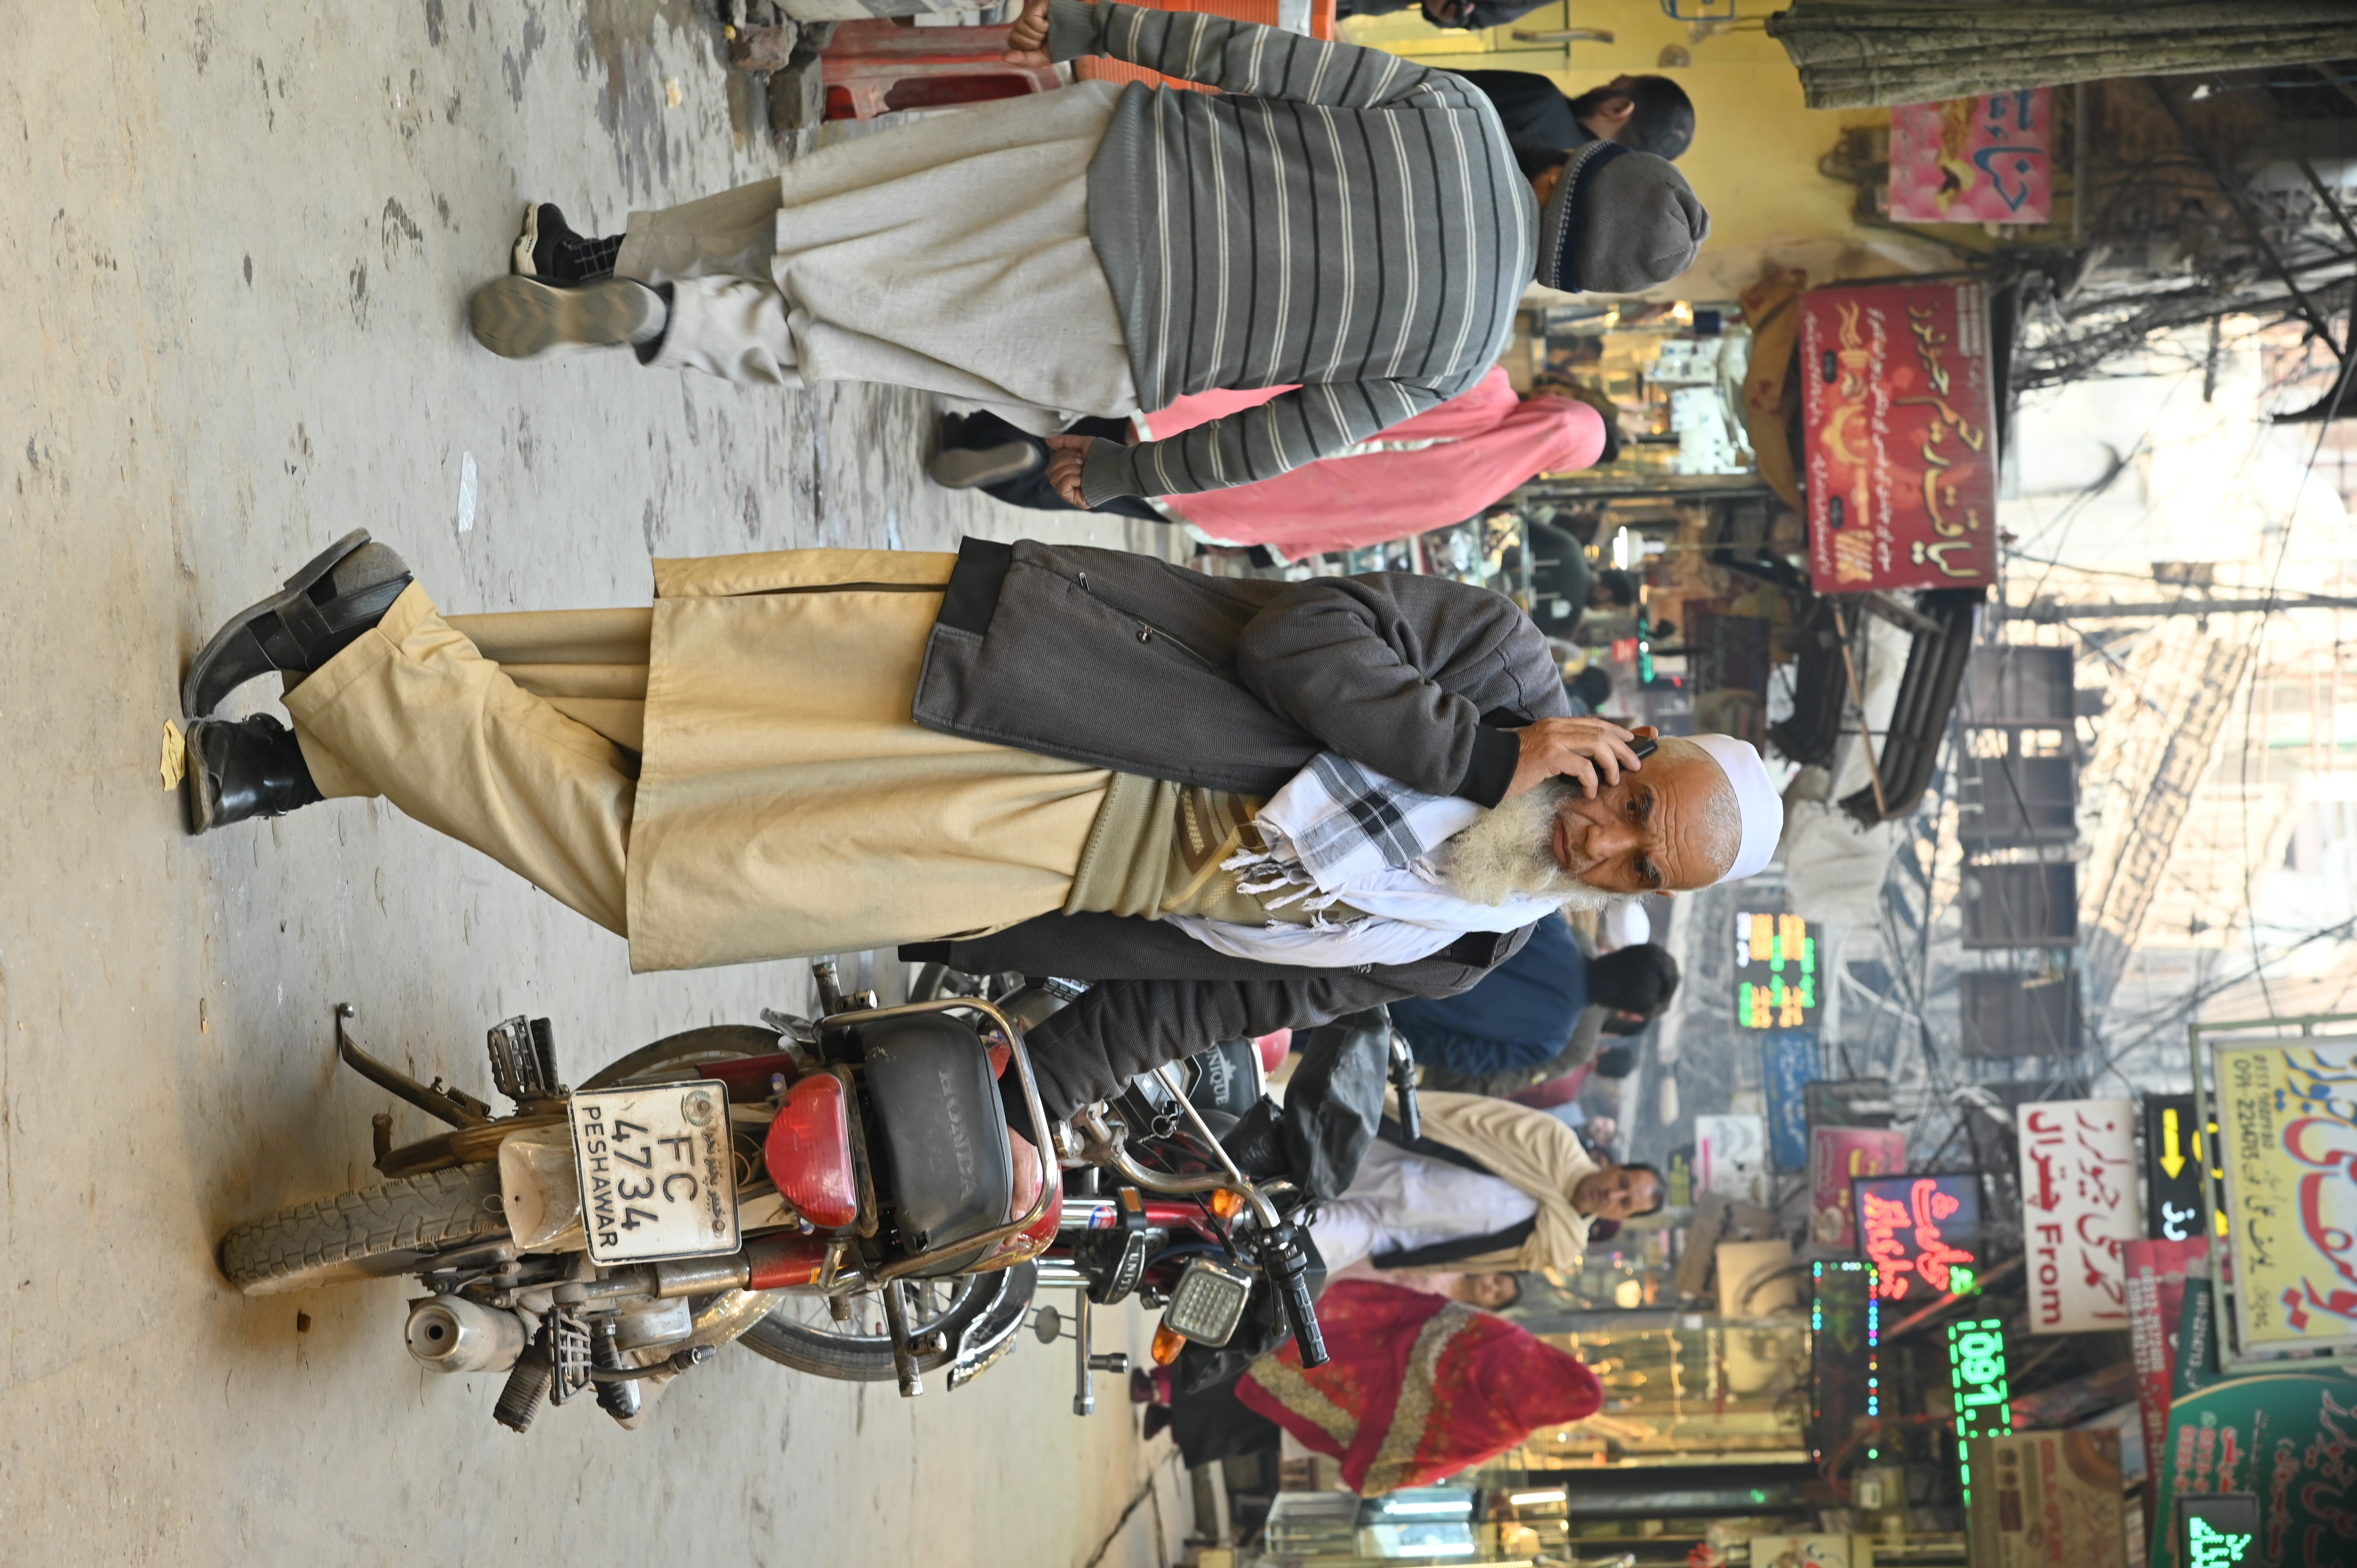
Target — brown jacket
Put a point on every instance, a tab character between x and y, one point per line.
1121	660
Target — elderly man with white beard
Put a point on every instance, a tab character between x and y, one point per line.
1233	805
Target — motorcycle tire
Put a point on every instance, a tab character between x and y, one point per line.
391	1229
1003	1298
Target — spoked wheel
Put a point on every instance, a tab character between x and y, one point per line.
805	1335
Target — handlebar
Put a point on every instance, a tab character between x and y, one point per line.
1410	1118
1288	1275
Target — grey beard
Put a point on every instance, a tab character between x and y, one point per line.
1509	851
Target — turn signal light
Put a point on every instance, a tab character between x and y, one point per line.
1227	1204
808	1153
1167	1343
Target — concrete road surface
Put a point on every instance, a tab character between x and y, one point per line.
235	240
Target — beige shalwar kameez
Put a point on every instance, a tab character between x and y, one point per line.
729	777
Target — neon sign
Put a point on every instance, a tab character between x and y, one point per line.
2216	1529
1979	1382
2208	1548
1787	997
1832	1363
1903	1226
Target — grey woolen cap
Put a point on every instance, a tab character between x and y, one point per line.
1619	221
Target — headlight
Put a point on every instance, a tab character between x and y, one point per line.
1208	1302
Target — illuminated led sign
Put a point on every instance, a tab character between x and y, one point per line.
1909	1228
1980	1387
2216	1529
1775	972
1840	1290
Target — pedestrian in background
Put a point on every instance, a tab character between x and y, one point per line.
1524	1012
1417	1389
1097	251
1490	1185
1651	113
1432	471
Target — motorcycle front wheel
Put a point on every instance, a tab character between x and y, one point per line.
977	1311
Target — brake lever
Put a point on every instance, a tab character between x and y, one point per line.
1410	1118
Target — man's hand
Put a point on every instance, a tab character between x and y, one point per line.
1449	13
1593	751
1068	455
1027	40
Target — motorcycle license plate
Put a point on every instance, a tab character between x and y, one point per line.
658	1176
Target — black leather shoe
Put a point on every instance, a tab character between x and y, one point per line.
337	595
242	770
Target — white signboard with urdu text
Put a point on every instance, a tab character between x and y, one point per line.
2080	1206
1731	1156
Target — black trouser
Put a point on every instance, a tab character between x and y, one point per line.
1213	1424
973	431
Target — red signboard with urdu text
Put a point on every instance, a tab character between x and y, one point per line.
1898	406
1907	1228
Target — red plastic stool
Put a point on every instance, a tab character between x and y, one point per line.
873	68
1268	12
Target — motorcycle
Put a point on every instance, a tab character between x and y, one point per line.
844	1195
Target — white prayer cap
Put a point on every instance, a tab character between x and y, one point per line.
1626	925
1755	797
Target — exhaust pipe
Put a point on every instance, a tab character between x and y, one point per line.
451	1334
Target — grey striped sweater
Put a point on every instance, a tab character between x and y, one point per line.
1335	217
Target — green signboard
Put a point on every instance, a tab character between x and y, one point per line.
2287	1440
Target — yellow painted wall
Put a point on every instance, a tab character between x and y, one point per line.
1756	148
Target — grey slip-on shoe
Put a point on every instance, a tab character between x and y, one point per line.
522	318
958	468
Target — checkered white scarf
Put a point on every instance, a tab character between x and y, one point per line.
1341	833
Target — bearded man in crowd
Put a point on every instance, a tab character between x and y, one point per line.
1243	805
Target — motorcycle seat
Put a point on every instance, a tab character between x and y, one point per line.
945	1165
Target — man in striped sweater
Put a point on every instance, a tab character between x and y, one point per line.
1335	217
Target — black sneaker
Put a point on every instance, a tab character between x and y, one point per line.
334	597
242	769
550	251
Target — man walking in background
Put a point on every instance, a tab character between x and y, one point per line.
1335	219
1437	469
1650	113
1490	1186
1550	996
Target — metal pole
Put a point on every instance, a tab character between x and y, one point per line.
2049	612
2079	163
1865	729
1084	1385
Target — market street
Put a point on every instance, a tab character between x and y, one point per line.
239	241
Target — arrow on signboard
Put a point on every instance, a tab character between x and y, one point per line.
2170	1160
